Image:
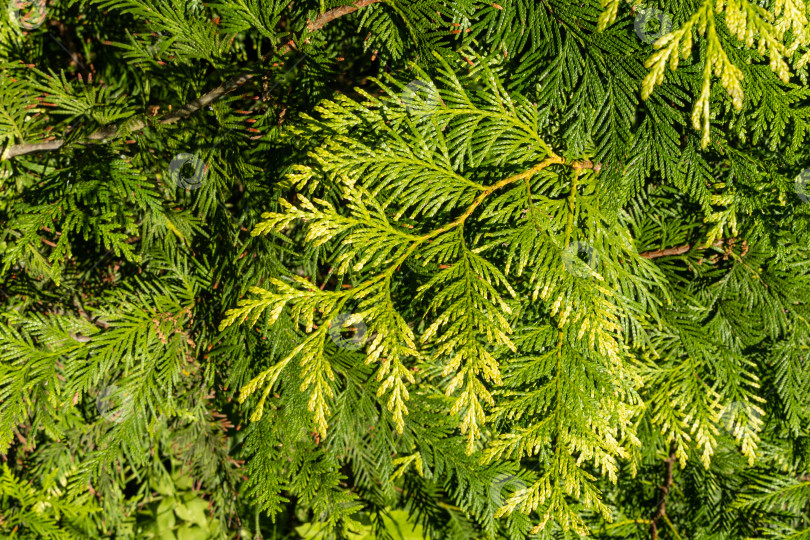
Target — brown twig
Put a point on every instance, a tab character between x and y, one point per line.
188	109
586	164
679	250
333	14
661	510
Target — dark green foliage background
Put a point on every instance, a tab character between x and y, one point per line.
113	275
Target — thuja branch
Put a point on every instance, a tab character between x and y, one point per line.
554	159
108	132
338	299
494	187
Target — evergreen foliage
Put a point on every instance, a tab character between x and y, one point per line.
404	269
